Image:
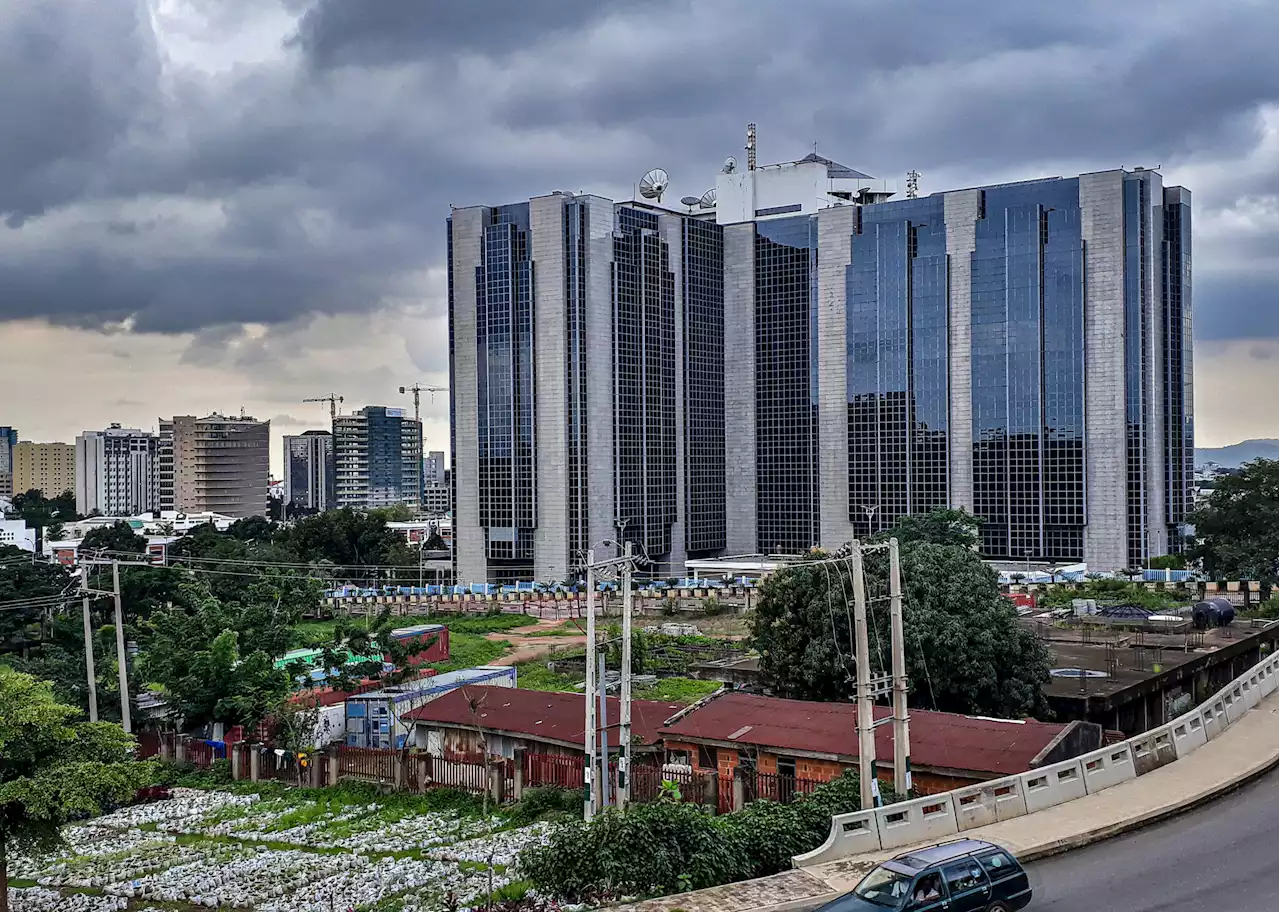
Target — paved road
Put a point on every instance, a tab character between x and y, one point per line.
1222	857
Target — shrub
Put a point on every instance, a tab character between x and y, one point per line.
653	848
668	846
538	803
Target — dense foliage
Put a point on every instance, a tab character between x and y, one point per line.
22	578
965	650
215	657
1238	526
668	846
117	539
1115	592
54	769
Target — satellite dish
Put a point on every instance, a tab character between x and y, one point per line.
688	201
730	165
654	184
708	200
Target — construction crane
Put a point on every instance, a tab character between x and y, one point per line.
418	389
333	399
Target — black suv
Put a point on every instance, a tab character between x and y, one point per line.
966	875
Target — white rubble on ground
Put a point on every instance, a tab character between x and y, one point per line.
205	850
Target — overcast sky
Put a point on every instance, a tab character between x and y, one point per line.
216	204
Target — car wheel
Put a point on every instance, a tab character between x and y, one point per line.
997	907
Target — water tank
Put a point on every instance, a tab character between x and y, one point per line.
1216	612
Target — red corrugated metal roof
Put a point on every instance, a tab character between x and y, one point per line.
937	739
540	714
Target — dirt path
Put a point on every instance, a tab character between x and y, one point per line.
526	648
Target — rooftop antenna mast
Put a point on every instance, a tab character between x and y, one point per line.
913	184
751	147
333	399
417	390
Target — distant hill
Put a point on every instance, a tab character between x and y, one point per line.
1239	453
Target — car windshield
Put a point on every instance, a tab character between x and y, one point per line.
884	888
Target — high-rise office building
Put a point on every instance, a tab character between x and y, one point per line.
434	468
608	428
309	482
220	464
812	359
8	440
164	464
117	471
377	458
49	468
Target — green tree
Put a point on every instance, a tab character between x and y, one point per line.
59	659
54	769
348	539
23	577
1168	562
941	527
40	511
394	513
118	537
1238	526
252	528
965	650
215	657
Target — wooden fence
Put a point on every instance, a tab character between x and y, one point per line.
419	771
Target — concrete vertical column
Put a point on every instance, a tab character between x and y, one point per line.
551	557
497	778
601	504
1106	462
467	226
255	762
740	388
518	791
180	749
333	769
960	214
237	761
424	768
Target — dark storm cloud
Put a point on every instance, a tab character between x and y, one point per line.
382	32
318	182
75	79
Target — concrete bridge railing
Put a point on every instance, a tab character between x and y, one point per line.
936	817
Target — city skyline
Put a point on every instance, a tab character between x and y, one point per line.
203	262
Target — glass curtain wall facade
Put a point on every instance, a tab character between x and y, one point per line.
644	346
505	371
897	373
786	408
1177	362
704	443
1137	369
1027	324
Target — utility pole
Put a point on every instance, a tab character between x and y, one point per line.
88	645
589	731
126	721
604	731
870	790
901	736
624	760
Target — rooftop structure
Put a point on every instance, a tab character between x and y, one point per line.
540	716
943	742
